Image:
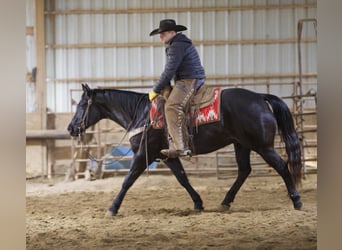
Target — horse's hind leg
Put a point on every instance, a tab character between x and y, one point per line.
274	160
177	169
244	169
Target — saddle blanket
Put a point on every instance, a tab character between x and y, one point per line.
209	112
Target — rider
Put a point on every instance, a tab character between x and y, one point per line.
184	65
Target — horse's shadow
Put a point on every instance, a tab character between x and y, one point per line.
191	212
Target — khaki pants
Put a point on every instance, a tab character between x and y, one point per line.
175	107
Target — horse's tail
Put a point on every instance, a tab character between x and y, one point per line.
289	135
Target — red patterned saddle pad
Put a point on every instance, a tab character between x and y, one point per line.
205	114
211	112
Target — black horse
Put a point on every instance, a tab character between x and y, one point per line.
248	120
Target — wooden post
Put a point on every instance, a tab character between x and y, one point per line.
41	75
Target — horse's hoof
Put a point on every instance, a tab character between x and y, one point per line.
298	205
110	214
225	207
199	209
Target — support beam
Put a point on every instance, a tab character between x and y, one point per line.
40	54
39	32
196	43
209	77
178	10
47	134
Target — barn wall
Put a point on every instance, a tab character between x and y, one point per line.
107	43
44	156
41	154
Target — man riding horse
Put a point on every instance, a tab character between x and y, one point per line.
184	65
248	120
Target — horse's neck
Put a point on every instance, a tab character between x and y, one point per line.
126	108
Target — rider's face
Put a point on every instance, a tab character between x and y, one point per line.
166	36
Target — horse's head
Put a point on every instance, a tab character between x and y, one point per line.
86	113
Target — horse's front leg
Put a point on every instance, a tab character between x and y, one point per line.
137	168
177	169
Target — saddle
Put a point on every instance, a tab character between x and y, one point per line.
204	96
203	108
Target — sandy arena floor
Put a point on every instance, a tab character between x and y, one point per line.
157	213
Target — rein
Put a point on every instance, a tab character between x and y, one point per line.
85	116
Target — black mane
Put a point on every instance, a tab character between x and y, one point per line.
132	106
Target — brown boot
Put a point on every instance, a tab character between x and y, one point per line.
173	153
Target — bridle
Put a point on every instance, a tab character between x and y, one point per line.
85	117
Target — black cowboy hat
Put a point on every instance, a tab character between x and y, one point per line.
167	25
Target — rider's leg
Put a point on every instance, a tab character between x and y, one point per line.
175	117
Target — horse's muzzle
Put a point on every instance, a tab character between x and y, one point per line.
75	131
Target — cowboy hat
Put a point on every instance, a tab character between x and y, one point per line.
167	25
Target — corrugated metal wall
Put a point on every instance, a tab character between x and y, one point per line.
107	43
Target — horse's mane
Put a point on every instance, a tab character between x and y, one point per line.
134	104
126	97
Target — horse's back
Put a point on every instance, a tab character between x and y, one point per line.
243	100
247	115
239	93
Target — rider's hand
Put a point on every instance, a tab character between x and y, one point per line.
152	95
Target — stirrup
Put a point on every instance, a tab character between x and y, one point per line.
186	152
173	153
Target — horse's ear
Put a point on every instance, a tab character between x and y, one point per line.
86	89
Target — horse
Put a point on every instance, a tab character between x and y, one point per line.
249	121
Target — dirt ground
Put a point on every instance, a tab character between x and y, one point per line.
157	213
